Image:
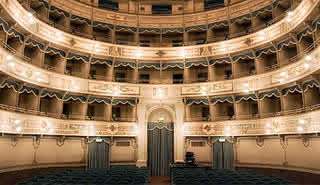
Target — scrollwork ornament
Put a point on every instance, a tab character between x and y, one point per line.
60	141
208	129
260	141
306	141
84	142
283	142
14	141
113	128
134	143
36	142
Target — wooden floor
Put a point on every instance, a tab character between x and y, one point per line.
162	180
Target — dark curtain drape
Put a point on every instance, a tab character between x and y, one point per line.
222	155
98	154
160	148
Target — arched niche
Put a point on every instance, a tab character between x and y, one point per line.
160	115
152	114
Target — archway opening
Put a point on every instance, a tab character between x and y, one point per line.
160	142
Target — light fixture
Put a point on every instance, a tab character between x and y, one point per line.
160	92
282	74
308	58
59	35
138	53
261	35
204	90
9	57
17	121
306	65
182	53
18	129
301	121
300	129
268	131
289	16
116	91
268	125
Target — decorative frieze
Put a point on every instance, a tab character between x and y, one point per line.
49	34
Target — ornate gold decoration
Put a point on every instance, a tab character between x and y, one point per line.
305	140
208	129
260	141
160	53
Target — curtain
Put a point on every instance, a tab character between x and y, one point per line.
160	148
98	155
222	155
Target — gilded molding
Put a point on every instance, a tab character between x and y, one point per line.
48	33
21	70
257	127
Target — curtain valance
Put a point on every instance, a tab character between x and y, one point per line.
173	65
15	86
310	84
246	98
241	18
197	101
150	30
56	51
149	65
124	64
269	94
221	99
271	49
59	11
172	30
160	125
243	56
4	25
197	63
45	3
101	61
34	91
51	94
292	89
283	43
102	24
93	99
220	61
196	28
217	24
124	101
82	19
68	97
125	28
14	32
262	10
36	43
78	57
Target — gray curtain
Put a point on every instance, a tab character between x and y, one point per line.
160	148
222	155
98	154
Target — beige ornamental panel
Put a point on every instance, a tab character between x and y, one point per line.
21	70
151	21
46	32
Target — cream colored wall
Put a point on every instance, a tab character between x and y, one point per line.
155	115
294	155
203	154
122	153
48	152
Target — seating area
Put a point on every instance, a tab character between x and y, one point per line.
209	176
115	175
